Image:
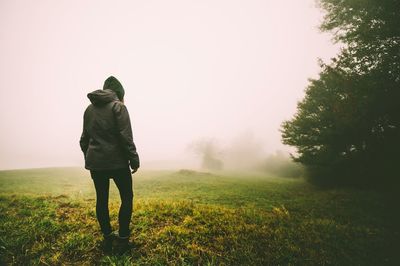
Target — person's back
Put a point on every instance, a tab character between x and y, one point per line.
108	143
108	147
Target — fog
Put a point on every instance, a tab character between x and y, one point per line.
191	70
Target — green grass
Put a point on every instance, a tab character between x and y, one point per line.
47	216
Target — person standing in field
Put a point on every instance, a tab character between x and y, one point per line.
109	151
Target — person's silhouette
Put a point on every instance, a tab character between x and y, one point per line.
109	150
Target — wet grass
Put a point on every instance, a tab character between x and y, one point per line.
47	216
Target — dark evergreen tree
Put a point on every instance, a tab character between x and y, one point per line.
347	128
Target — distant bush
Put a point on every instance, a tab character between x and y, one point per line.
282	165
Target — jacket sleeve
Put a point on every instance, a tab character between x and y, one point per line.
84	141
125	134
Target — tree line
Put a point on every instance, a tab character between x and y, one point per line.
347	128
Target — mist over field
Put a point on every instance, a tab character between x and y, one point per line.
227	71
262	140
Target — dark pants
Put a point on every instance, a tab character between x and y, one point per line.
123	180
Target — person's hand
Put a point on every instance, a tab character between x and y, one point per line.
134	163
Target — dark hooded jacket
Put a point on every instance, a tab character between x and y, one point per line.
106	140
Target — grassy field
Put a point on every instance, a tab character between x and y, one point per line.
47	216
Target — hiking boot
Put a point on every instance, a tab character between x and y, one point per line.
122	245
107	243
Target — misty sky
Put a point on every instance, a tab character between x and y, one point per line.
191	69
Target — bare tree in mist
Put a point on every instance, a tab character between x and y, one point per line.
244	153
210	152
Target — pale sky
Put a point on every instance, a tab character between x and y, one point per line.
190	69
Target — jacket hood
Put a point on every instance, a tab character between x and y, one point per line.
112	83
101	97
